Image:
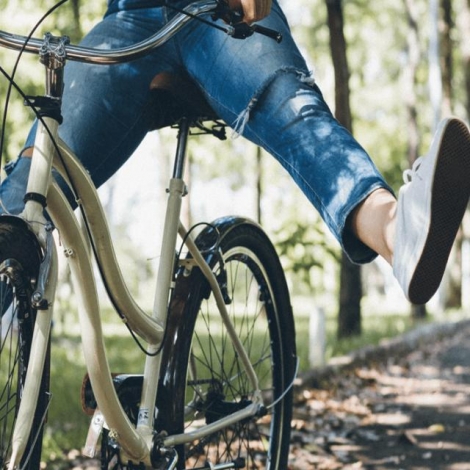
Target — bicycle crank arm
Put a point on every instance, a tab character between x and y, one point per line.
237	463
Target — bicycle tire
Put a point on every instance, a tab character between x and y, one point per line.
257	293
20	257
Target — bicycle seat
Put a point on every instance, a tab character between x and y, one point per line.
174	97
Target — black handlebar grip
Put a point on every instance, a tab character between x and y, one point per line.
270	33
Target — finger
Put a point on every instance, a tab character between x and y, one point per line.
253	10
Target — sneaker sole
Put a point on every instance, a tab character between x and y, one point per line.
452	171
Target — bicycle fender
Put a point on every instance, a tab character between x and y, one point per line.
209	238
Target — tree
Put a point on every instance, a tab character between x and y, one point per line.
447	57
464	26
349	314
410	83
452	293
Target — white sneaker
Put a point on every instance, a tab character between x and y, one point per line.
431	205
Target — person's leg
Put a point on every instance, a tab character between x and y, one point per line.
263	89
374	220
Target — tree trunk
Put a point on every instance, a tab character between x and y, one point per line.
435	72
350	294
446	57
452	292
349	314
464	23
409	89
77	25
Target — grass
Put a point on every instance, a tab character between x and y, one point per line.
374	330
67	424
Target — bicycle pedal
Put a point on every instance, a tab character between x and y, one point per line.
94	433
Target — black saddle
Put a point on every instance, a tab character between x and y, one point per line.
174	97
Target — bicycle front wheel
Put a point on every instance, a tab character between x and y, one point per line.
19	266
206	380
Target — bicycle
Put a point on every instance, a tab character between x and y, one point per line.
220	361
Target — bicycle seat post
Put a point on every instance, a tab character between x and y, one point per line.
176	191
183	132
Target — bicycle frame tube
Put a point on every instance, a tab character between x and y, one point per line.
176	191
40	176
208	273
90	323
148	328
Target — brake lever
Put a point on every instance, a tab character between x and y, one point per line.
239	30
243	31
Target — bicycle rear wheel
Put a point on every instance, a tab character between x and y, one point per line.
19	266
205	379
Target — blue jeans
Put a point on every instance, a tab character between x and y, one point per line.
261	88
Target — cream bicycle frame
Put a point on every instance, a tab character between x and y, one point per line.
136	442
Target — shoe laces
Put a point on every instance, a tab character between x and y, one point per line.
408	174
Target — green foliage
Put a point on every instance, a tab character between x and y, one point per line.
305	248
67	424
375	328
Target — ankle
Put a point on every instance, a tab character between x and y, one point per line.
373	222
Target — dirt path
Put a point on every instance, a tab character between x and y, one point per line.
408	411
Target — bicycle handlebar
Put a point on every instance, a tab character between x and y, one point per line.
113	56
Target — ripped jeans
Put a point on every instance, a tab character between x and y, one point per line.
261	88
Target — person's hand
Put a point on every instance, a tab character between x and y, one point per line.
253	10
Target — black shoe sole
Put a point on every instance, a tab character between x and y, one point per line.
449	199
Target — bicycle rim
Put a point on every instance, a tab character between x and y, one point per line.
209	381
19	264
